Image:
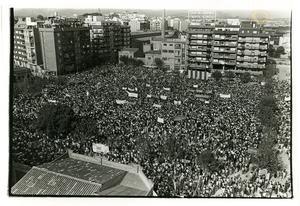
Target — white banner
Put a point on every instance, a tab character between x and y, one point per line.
206	102
163	97
195	86
52	101
131	94
167	88
149	96
100	148
161	120
132	90
147	85
177	102
157	105
121	101
287	99
124	88
225	96
263	83
205	96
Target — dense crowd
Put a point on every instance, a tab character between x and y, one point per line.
168	151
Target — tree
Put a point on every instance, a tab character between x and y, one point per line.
280	50
54	120
159	63
267	156
217	75
245	77
208	161
230	74
40	17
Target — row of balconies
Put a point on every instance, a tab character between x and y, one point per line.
249	53
227	44
223	56
223	50
241	59
251	66
253	47
223	62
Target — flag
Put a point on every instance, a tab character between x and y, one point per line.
100	148
163	97
132	90
161	120
166	88
87	93
121	101
147	85
157	105
225	95
195	86
149	96
132	94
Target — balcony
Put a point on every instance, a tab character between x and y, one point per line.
226	38
200	37
225	44
198	55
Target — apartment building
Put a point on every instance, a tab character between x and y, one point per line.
224	47
199	47
173	53
252	50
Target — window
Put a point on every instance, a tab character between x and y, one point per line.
165	44
171	51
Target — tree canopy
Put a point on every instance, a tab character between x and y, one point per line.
54	120
217	75
245	77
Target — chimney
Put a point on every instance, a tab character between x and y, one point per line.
163	26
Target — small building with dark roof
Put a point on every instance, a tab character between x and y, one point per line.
79	175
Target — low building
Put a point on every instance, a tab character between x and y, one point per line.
150	57
173	53
128	52
79	175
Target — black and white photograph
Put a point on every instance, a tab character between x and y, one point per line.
191	102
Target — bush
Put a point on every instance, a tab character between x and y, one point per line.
159	63
217	75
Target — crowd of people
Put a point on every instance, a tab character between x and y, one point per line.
168	149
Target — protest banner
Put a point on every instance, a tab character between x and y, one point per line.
160	120
132	94
225	96
100	148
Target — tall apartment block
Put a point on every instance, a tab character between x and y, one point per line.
224	47
252	50
199	47
227	48
27	53
108	38
65	49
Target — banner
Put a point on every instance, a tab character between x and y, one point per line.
226	96
147	85
206	102
124	88
157	105
100	148
131	94
52	101
262	83
149	96
121	101
163	97
132	90
167	88
205	96
160	120
177	102
287	99
195	86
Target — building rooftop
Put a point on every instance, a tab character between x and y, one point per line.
79	175
130	49
153	52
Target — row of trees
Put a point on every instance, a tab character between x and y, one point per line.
131	61
245	77
267	155
275	53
